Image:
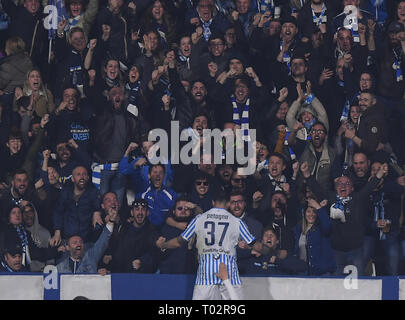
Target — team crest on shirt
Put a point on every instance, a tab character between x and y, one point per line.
374	130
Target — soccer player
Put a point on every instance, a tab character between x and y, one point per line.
218	233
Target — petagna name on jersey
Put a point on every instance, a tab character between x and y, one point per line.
217	216
215	251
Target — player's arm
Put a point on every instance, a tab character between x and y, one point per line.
254	245
249	241
174	243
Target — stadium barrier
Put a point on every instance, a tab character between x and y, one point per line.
55	286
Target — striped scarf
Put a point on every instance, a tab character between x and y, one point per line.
22	234
377	199
318	20
286	58
397	67
292	154
206	29
5	266
97	168
244	122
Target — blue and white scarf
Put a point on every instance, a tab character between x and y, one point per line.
379	211
22	234
97	168
322	18
341	202
286	58
397	67
206	29
133	90
244	122
5	266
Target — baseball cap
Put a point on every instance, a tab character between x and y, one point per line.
139	202
395	27
290	19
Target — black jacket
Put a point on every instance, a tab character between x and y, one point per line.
350	234
135	243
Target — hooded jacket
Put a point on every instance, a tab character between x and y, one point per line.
315	108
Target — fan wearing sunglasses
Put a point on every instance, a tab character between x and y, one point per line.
201	193
180	260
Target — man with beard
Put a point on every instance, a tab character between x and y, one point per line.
134	249
114	130
238	207
182	259
318	154
190	104
372	127
71	119
82	260
77	204
69	155
159	197
245	105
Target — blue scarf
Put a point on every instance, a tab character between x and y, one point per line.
286	58
5	266
133	91
341	202
206	29
377	199
22	234
397	67
322	17
244	122
292	154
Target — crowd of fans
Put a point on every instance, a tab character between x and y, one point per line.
321	82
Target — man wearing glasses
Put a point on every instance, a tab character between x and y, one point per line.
318	154
348	213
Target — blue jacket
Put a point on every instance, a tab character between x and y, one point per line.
320	254
139	176
160	202
75	218
92	256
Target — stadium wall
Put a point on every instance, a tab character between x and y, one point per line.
180	287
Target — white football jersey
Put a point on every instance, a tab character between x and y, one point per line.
218	233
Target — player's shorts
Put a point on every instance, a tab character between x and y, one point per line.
216	292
